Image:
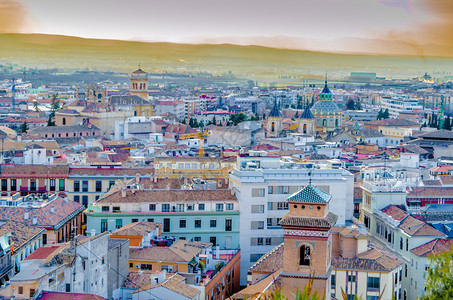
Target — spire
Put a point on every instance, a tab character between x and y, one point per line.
326	88
275	112
306	114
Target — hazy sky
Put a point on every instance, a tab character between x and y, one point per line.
337	25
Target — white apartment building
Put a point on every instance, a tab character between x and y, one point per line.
262	185
396	105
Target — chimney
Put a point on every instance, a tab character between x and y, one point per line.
123	192
185	247
26	216
52	209
19	138
93	232
35	220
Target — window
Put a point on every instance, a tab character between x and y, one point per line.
21	290
333	281
105	208
33	185
201	206
258	193
268	241
197	239
229	224
351	278
77	198
85	201
116	209
4	184
111	183
213	223
61	185
230	206
104	225
405	270
85	186
180	207
190	207
152	207
213	240
373	283
150	220
134	220
254	257
304	255
182	223
118	223
76	186
407	244
197	223
270	206
166	225
283	190
146	267
257	209
98	186
13	185
219	207
269	222
260	225
401	243
282	205
270	189
259	241
52	185
165	207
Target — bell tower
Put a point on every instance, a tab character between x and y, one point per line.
139	83
274	121
307	122
307	236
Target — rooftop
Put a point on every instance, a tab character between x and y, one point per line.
310	194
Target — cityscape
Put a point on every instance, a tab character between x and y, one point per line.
247	158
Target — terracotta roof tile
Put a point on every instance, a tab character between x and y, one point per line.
163	254
395	212
412	226
21	171
434	247
328	222
136	229
270	262
20	233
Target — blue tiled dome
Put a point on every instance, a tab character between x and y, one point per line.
307	114
325	105
275	112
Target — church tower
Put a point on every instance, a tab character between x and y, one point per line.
139	83
307	122
274	121
307	237
327	114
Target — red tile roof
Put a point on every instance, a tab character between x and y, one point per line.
395	212
43	252
412	227
434	247
68	296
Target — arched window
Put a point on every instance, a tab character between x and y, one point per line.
273	127
324	123
304	258
305	128
336	122
64	121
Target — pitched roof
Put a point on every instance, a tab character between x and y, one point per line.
431	191
415	227
306	114
393	122
270	262
168	195
438	134
310	194
176	284
395	212
20	233
275	112
328	222
136	229
111	172
45	295
44	252
64	210
434	247
22	171
371	260
163	254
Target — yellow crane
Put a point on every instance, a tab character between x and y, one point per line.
201	136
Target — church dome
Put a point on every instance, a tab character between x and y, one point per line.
325	106
306	114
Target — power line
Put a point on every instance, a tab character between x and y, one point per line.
117	272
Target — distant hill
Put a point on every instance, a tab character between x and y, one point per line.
39	50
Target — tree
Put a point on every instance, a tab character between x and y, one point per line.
358	105
386	114
54	106
380	114
238	118
36	106
184	122
50	122
24	127
350	105
439	277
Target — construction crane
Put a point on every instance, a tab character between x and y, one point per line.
201	135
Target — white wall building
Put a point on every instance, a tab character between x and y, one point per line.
263	184
395	105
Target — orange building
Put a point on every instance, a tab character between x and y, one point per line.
139	83
138	233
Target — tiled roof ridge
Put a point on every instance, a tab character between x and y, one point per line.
266	255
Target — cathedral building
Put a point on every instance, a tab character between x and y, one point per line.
328	115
